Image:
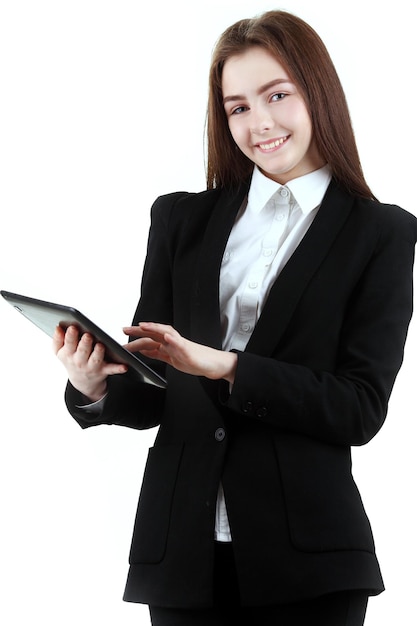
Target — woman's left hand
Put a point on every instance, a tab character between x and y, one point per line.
163	342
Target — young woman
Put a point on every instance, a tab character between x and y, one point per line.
277	304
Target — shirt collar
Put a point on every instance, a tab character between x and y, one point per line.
308	190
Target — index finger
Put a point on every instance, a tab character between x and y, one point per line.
132	331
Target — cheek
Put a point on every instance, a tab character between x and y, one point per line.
306	131
303	121
237	132
232	128
298	117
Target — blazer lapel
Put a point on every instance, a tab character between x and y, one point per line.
292	281
205	313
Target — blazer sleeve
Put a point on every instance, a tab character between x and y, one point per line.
346	405
130	402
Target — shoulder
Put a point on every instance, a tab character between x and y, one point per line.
181	208
387	220
184	201
182	214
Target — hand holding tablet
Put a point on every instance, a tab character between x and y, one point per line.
48	316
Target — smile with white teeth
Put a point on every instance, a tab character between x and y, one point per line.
274	144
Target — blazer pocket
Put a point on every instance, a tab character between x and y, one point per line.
153	514
324	508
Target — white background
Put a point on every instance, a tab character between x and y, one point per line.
102	108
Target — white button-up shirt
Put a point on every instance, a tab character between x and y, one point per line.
267	230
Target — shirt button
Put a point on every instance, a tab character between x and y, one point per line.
220	434
253	285
245	327
283	192
267	252
280	217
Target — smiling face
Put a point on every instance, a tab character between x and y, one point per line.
267	116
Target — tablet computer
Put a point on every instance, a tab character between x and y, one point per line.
48	315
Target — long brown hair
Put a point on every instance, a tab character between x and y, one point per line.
304	56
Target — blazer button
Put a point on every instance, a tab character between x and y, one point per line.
220	434
247	407
262	411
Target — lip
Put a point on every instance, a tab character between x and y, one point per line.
272	144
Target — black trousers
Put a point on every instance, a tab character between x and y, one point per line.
336	609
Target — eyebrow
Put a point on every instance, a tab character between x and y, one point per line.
261	90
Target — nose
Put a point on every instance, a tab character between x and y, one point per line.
261	120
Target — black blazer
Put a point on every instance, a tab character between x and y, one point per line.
314	380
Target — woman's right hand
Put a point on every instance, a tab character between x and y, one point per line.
84	362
